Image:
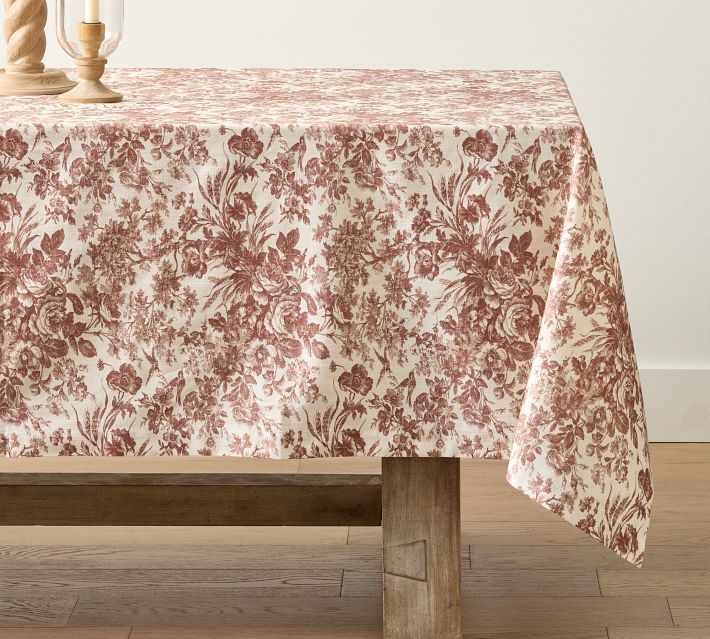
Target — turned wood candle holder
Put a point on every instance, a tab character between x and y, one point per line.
90	67
24	74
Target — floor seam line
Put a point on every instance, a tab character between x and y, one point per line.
71	614
670	611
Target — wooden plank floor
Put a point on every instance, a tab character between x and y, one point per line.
526	573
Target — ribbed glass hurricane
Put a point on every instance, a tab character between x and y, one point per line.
70	13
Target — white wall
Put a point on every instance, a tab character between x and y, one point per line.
638	69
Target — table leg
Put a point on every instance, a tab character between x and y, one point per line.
421	529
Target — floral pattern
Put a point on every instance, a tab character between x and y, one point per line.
323	263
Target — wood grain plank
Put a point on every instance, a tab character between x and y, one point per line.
583	557
188	556
659	583
486	614
668	511
65	633
486	508
690	611
681	453
83	536
517	507
694	490
492	583
218	557
348	633
365	535
156	464
697	485
244	583
31	609
658	633
538	614
509	507
530	633
681	531
686	472
312	632
513	533
288	615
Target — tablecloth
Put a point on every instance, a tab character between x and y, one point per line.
315	263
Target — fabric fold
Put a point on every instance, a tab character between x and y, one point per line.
582	417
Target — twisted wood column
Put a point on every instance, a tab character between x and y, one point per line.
24	31
25	21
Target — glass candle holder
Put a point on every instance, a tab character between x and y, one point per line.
90	31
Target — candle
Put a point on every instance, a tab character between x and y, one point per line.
91	14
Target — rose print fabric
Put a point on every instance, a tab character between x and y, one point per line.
288	264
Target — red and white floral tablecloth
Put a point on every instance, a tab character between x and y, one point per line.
322	263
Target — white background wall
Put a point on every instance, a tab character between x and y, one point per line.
639	71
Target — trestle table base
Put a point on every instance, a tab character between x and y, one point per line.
416	501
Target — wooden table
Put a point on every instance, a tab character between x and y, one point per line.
416	500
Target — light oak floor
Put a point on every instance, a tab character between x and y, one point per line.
527	574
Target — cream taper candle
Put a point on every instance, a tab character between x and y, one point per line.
91	14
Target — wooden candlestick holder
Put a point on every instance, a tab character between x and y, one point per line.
24	74
91	66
